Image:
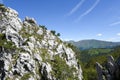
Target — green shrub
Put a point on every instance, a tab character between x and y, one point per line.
58	34
6	44
53	32
2	8
61	70
89	74
26	76
44	54
43	27
1	4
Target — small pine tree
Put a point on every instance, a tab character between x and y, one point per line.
1	4
43	27
58	34
53	32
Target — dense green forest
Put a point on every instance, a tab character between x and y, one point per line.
88	59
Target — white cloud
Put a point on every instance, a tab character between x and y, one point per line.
76	7
99	34
118	34
89	10
115	23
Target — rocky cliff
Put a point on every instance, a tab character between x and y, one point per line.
110	71
31	52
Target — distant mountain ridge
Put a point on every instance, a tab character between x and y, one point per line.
92	43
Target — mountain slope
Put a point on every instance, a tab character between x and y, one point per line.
89	44
31	52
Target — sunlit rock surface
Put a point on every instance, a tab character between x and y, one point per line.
31	52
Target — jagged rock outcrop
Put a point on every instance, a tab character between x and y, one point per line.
31	52
111	70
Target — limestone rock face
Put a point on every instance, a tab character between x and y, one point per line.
31	52
111	70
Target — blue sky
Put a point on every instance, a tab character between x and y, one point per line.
74	19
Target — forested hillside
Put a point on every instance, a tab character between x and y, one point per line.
88	59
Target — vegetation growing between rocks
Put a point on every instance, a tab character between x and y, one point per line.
6	44
54	33
44	54
2	8
25	76
23	63
61	70
43	27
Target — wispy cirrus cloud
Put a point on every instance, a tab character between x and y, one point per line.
115	23
76	7
118	34
99	34
89	10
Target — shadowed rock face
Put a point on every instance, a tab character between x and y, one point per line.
111	71
31	52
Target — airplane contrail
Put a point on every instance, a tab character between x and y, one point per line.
89	10
115	23
76	7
